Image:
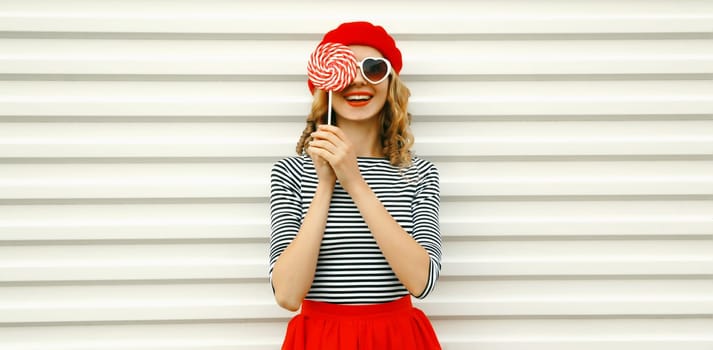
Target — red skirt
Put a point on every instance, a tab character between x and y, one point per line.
394	325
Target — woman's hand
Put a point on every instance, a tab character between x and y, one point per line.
330	144
324	170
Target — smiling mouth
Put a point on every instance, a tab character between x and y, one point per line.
358	100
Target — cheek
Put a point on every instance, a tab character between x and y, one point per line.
381	95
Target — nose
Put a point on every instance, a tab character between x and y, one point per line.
359	78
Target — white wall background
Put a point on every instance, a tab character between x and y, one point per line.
574	138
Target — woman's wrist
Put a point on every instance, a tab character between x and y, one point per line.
356	187
326	184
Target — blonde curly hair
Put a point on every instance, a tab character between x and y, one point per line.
394	118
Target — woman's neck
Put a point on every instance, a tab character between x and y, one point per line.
364	136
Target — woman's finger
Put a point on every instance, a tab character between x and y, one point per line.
332	135
321	152
323	145
335	130
327	142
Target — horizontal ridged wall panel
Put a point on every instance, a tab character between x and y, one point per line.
264	139
275	17
217	260
574	141
448	98
426	58
460	220
459	179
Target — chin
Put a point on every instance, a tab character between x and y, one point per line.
358	116
357	113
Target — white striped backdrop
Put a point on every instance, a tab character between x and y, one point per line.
574	139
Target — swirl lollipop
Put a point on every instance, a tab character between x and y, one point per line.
332	67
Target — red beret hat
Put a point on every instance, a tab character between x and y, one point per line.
367	34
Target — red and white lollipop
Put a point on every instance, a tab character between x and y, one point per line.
332	67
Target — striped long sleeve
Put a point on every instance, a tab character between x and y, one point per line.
351	268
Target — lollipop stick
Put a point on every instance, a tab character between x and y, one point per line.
329	109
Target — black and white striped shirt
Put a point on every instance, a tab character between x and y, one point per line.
351	269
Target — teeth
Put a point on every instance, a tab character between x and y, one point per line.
358	98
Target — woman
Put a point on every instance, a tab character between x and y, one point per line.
354	217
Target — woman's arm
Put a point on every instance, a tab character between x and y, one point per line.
409	260
294	270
